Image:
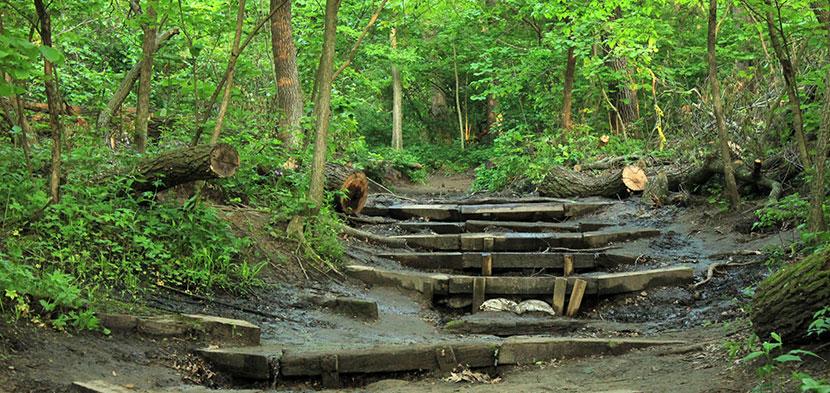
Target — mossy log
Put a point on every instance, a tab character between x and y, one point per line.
179	166
354	186
786	301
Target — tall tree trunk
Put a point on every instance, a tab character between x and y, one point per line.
625	102
782	52
567	90
323	104
142	113
120	95
20	115
289	93
226	97
457	95
397	98
817	222
728	170
360	38
53	99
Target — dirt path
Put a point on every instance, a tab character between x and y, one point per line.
33	359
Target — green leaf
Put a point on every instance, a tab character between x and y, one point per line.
752	356
787	358
51	54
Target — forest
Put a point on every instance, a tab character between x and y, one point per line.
371	195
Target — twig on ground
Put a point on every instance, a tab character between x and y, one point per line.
710	271
388	191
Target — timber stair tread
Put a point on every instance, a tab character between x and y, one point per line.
523	241
269	361
501	211
603	284
456	260
443	227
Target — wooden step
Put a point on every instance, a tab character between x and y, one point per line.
523	241
505	324
521	226
506	260
604	284
504	211
433	226
442	356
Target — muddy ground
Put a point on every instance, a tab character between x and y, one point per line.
37	359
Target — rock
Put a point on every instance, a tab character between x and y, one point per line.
499	304
534	306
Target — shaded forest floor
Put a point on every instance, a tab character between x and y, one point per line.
709	319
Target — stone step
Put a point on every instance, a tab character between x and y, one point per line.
495	211
524	241
602	284
442	357
506	260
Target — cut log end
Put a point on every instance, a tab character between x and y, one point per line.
224	160
634	178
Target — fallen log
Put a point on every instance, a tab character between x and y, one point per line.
562	182
786	301
353	184
179	166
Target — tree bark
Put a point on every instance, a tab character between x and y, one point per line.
226	97
145	79
353	184
817	221
625	102
179	166
289	93
786	301
54	101
725	153
567	90
397	99
120	95
782	52
323	103
20	116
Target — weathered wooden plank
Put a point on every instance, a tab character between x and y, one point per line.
431	260
432	242
434	226
567	265
414	281
445	357
486	264
576	209
514	211
596	284
504	260
524	350
505	324
520	226
367	360
560	287
432	212
250	362
576	297
615	283
479	291
603	237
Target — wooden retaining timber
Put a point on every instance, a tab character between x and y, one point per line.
523	241
521	226
443	356
505	211
507	260
506	324
603	284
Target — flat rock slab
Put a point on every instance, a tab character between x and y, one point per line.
506	260
508	324
212	328
597	284
432	357
498	211
249	362
529	350
524	241
351	307
100	386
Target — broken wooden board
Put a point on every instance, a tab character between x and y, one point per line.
604	284
505	324
529	350
507	260
500	211
523	241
